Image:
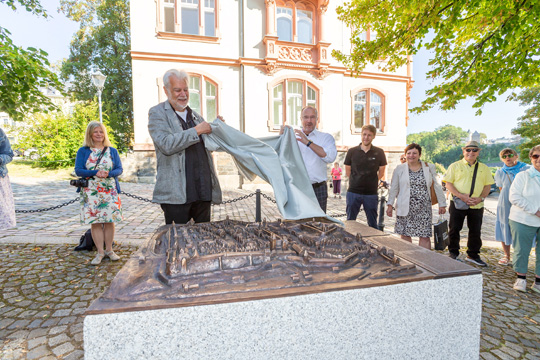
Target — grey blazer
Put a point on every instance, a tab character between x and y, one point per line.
170	141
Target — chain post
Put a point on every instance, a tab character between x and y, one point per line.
258	206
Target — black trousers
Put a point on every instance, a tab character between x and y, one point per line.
199	211
474	223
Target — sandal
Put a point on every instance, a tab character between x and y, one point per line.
112	255
505	261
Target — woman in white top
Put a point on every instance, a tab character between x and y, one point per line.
411	190
525	220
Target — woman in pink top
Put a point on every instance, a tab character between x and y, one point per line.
336	180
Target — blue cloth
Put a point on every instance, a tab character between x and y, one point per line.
80	165
6	154
504	180
513	170
277	160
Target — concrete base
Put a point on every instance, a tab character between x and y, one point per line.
431	319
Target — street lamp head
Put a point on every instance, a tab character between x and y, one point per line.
98	79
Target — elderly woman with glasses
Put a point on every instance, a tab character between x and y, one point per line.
525	220
504	178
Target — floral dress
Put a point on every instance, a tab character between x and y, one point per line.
7	206
100	200
418	220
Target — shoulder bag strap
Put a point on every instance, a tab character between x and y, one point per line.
474	178
100	156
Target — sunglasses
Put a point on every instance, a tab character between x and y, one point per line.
507	156
535	156
473	150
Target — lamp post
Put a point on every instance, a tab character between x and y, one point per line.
98	79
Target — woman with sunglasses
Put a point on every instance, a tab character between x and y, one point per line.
525	220
504	178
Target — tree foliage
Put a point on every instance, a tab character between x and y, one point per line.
437	141
481	48
23	72
529	124
102	42
57	136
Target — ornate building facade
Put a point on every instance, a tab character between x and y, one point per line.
258	62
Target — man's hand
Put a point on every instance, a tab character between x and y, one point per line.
472	201
389	211
221	118
442	210
300	136
203	128
282	129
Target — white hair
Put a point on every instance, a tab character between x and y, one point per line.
180	74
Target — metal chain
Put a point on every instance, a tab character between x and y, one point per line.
136	197
48	209
237	199
268	198
489	211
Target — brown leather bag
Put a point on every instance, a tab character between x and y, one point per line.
434	200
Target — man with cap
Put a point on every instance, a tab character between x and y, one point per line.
469	182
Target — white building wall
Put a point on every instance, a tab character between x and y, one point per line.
221	61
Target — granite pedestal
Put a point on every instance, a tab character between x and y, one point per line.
436	315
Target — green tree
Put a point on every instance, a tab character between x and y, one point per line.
529	124
23	72
57	136
102	41
437	141
481	48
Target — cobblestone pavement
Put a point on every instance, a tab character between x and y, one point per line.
46	287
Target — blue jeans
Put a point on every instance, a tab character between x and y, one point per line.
355	202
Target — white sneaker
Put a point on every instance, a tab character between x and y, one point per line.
535	287
521	285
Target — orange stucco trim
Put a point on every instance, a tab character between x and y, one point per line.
151	56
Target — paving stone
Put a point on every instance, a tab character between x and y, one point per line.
58	339
4	323
68	319
63	349
38	353
19	324
62	312
515	354
57	329
76	355
32	343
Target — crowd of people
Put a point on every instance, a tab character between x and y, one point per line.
187	184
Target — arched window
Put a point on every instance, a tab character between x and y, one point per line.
289	96
294	22
368	101
203	96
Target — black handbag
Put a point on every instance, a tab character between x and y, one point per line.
86	242
440	232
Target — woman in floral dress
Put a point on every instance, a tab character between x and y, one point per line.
7	206
100	201
410	190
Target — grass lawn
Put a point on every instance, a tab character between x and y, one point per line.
19	168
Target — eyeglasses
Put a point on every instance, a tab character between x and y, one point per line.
507	156
473	150
535	156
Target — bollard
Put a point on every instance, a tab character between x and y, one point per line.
258	205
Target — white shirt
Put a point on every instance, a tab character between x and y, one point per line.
525	199
316	165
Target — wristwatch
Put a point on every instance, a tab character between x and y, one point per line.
483	198
309	143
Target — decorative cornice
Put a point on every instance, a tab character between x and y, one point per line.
187	37
152	56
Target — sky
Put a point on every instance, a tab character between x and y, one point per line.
54	36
